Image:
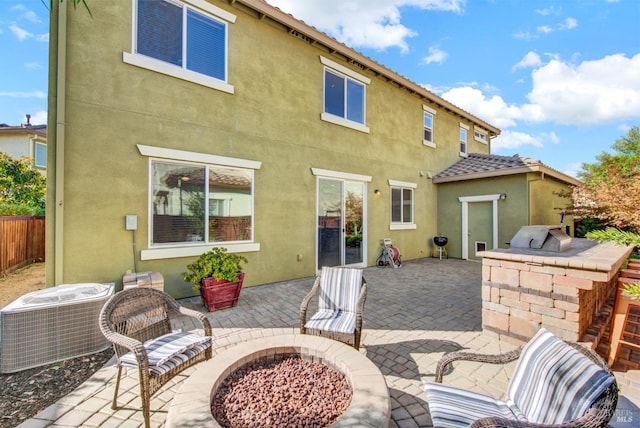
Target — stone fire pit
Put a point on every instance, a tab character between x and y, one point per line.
370	405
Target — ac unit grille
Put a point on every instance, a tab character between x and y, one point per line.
39	336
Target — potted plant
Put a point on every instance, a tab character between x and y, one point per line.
218	276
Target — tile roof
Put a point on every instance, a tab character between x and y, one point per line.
478	165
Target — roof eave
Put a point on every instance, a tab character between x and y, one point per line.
510	171
263	9
482	174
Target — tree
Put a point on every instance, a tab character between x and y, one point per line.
22	188
75	4
610	194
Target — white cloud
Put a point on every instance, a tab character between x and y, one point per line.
548	11
513	140
545	29
32	94
20	33
597	91
569	24
39	118
551	136
525	35
372	24
32	65
573	169
592	92
435	55
31	16
531	59
493	110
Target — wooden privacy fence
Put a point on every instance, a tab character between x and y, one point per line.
21	241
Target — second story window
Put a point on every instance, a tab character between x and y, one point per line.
480	135
344	96
428	128
179	35
463	139
429	114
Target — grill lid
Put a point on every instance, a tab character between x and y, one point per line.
546	238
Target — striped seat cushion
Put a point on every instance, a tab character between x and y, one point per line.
338	321
554	383
338	300
178	359
455	407
164	348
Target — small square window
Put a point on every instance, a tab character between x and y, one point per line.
480	136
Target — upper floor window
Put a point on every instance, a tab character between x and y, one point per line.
344	96
182	36
182	40
427	134
428	127
463	139
480	135
402	204
40	155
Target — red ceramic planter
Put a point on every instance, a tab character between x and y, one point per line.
219	294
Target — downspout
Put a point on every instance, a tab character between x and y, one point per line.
60	128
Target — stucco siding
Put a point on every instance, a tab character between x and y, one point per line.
272	117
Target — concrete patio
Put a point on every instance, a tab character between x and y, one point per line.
413	315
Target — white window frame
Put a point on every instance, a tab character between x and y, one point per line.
347	73
480	135
184	249
402	185
432	112
143	61
464	139
35	154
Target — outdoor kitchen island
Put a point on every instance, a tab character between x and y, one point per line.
548	279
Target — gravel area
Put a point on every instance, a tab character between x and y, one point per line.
26	393
282	391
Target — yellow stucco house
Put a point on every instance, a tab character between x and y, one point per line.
176	126
25	140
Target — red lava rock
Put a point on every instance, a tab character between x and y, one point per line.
281	391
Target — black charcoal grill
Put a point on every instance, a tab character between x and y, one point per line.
440	242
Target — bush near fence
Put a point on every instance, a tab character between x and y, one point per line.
22	242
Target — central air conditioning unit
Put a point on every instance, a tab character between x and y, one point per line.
51	325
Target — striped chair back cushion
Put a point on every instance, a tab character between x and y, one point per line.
339	289
554	383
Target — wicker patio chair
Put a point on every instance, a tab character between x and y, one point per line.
137	322
555	384
343	292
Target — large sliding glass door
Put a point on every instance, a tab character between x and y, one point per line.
340	222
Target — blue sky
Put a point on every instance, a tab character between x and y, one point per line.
560	78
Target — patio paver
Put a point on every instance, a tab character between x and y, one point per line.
413	315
